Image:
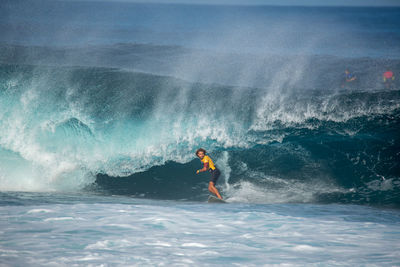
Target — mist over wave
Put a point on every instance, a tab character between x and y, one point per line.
278	72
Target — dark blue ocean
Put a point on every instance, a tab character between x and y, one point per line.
103	105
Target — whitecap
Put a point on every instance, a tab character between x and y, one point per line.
39	210
160	244
59	219
197	245
305	248
99	245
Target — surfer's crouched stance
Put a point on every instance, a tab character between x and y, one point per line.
209	166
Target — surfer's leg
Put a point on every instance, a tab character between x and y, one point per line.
211	186
213	189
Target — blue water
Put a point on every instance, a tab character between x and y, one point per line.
261	29
102	106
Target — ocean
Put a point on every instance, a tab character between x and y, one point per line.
103	105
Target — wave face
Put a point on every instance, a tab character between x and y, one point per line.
122	132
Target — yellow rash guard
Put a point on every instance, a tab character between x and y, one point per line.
208	160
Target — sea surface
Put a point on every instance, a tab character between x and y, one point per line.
43	229
103	105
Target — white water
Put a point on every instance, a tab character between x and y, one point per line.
115	231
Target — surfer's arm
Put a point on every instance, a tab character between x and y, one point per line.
205	168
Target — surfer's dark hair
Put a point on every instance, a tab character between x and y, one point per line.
202	150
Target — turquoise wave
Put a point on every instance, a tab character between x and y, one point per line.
123	132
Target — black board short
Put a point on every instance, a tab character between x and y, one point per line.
214	175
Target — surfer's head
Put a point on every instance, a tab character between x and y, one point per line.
201	152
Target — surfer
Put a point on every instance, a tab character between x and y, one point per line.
349	78
388	78
209	166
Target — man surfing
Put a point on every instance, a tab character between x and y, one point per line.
209	166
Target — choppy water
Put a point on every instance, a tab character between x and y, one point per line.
64	230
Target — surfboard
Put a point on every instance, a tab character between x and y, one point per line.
212	199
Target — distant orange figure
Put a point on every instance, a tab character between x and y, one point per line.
388	78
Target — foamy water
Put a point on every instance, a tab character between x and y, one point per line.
116	231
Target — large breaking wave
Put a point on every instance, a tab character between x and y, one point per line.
124	132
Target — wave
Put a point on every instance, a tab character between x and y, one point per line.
322	165
123	132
